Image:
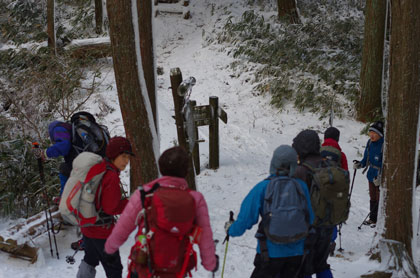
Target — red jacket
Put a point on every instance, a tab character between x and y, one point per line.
331	142
110	202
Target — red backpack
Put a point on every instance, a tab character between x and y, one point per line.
164	247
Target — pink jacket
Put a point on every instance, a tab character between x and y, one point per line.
127	222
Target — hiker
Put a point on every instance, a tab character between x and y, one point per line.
118	153
189	209
307	145
276	259
68	144
372	160
331	138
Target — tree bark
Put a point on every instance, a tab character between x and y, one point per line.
369	105
287	11
402	122
130	92
98	16
50	25
144	10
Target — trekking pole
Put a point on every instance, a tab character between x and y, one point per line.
227	243
352	183
339	235
70	259
47	210
360	227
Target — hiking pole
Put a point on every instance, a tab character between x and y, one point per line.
339	235
227	243
360	227
41	175
352	183
70	259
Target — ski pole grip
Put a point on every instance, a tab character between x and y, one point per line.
231	216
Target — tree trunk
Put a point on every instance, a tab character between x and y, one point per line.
402	122
287	11
98	16
144	10
50	25
369	105
132	92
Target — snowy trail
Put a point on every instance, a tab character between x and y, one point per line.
253	131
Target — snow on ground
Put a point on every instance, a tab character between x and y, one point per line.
253	131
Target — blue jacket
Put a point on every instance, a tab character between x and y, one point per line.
374	152
251	209
61	137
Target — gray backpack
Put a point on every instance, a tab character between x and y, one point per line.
285	216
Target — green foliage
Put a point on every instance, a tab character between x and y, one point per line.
314	65
21	190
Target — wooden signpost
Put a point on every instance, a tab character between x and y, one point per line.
189	116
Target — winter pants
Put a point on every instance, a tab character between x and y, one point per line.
94	250
276	267
63	180
374	201
316	259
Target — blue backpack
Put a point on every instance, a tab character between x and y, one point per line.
285	216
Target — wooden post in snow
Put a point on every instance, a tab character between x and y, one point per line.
176	79
196	150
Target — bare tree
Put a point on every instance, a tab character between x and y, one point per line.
287	11
369	105
98	16
132	90
50	25
400	141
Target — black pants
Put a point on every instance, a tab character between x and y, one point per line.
276	267
94	250
316	259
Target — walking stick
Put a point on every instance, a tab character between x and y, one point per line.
41	175
360	227
352	184
227	244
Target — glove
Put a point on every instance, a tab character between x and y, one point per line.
110	259
216	268
227	226
310	240
377	181
357	164
39	153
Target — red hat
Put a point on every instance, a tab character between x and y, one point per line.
117	146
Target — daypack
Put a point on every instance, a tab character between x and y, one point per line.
87	135
78	201
285	216
332	154
163	247
329	193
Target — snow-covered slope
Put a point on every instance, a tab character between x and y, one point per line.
253	131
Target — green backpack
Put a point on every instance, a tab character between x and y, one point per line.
329	193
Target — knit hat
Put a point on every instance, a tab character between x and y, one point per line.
332	133
306	142
117	146
174	162
377	127
284	161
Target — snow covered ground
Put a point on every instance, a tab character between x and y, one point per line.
253	131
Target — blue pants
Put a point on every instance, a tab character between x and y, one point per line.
63	180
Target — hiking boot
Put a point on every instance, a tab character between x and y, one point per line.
369	222
77	245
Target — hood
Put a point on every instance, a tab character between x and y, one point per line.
306	142
168	181
331	142
51	127
284	161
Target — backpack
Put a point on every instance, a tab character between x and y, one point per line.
163	247
329	193
78	201
87	135
332	154
285	216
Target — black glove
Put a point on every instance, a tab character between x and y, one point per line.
110	259
357	164
310	240
216	268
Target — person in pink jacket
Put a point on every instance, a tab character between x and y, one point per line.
173	164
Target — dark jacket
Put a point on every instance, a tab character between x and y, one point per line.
373	152
302	172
